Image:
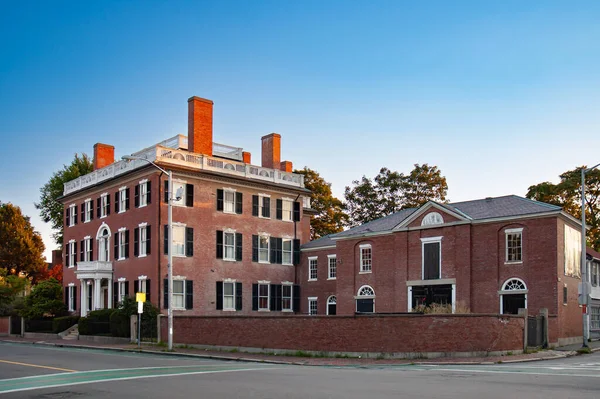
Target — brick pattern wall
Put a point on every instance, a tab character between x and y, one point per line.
322	288
4	325
392	333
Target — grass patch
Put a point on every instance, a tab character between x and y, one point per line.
583	351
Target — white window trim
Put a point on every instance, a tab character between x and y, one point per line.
87	248
232	282
291	202
291	285
122	199
260	205
291	241
229	231
103	201
72	209
360	248
506	233
72	254
232	191
311	258
329	257
179	278
181	202
143	225
316	300
358	296
327	304
268	284
143	183
179	224
87	202
268	237
120	233
429	240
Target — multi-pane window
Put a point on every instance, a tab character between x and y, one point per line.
263	249
143	240
122	244
263	296
179	240
122	200
228	201
179	294
122	291
312	306
286	297
312	268
595	318
228	296
72	215
228	246
71	298
287	251
332	261
366	258
142	286
595	269
144	193
264	206
104	204
87	249
88	210
103	245
514	245
287	210
178	194
72	253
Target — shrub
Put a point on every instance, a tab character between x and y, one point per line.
46	299
60	324
119	324
43	325
102	315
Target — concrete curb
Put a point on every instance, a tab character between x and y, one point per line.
281	362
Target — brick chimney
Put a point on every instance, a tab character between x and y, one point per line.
104	155
246	156
286	166
271	151
200	125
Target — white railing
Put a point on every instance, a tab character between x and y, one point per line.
174	157
94	266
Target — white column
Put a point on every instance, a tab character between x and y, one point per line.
83	293
110	293
96	304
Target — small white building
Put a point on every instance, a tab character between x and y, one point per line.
593	265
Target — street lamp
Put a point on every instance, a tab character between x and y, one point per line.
584	293
170	243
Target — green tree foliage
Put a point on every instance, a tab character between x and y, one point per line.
21	247
46	299
10	287
330	217
391	191
567	194
51	210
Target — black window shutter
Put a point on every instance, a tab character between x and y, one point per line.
166	294
98	206
267	207
75	250
219	200
219	295
273	252
189	294
279	251
254	296
127	198
273	298
238	203
75	214
126	244
67	215
148	239
147	290
81	250
278	291
75	298
91	210
189	241
136	241
189	195
296	244
166	240
67	255
279	209
126	288
238	246
296	304
117	202
108	205
149	193
137	196
254	248
83	212
166	199
67	296
91	250
136	286
115	294
219	244
238	296
431	261
296	211
255	205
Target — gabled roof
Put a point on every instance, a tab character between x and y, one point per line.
384	224
324	241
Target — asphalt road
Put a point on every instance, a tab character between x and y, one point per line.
47	372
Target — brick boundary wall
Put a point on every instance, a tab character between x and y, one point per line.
466	333
4	325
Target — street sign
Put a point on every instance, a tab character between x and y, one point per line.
140	307
140	297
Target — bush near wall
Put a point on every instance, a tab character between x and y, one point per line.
97	323
60	324
41	325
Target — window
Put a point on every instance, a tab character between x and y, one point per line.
431	219
365	300
229	245
142	286
179	240
513	296
72	297
263	296
286	297
122	244
261	206
287	250
332	263
331	305
312	306
514	245
366	260
123	200
142	240
312	268
595	269
87	211
179	294
71	215
565	295
183	240
228	296
103	245
72	253
431	258
87	249
142	194
595	318
104	205
286	210
183	293
122	290
229	201
182	195
263	249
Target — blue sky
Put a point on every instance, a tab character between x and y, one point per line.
498	95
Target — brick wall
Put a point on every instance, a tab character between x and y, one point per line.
390	333
4	325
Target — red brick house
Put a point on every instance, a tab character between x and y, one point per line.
493	255
237	226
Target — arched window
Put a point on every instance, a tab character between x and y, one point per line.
103	238
513	296
331	305
432	218
365	300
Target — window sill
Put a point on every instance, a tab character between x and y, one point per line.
229	260
70	267
120	212
287	221
142	206
287	264
264	310
264	217
120	259
312	279
103	216
179	256
367	272
230	212
332	278
520	262
262	262
287	310
142	256
86	221
228	310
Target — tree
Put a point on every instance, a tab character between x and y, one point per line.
21	247
56	272
391	191
51	210
330	217
10	287
567	194
46	299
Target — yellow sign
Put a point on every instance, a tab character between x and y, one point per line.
140	297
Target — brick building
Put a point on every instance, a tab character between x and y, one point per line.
237	226
493	255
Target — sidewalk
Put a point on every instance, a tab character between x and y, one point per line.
184	350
